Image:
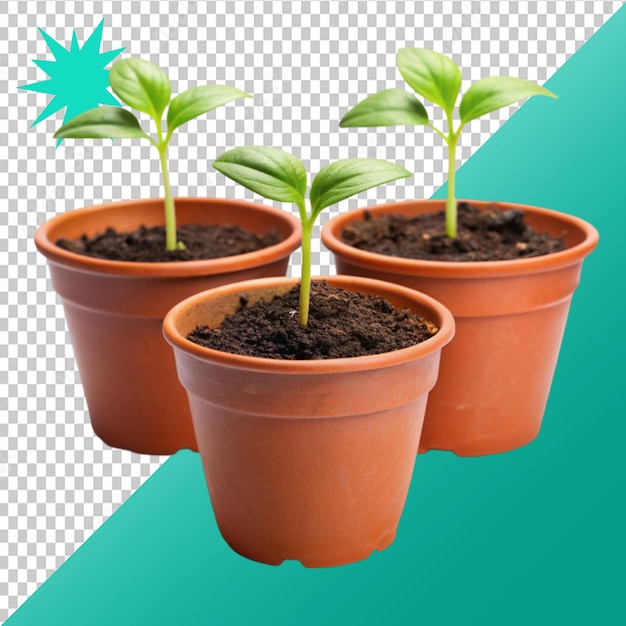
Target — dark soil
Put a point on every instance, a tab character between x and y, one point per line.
490	235
147	244
341	324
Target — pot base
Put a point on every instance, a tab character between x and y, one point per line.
324	492
313	561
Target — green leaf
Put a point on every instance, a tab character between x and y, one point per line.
347	177
101	123
434	76
141	85
494	92
198	100
392	107
270	172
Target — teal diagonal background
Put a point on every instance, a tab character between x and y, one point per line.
535	536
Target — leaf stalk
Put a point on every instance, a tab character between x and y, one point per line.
305	276
171	241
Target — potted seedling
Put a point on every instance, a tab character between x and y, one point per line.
307	419
119	267
509	292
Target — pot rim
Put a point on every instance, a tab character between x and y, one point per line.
457	269
350	364
221	265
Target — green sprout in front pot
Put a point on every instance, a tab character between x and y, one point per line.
278	175
146	88
437	78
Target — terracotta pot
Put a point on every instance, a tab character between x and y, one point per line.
115	312
510	315
306	460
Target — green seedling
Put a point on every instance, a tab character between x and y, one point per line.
146	88
437	78
280	176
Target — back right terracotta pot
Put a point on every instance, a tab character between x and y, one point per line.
495	376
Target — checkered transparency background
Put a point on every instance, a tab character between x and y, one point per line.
306	62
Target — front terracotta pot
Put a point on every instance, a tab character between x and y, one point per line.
115	312
306	460
495	376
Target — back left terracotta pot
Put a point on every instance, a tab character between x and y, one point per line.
115	311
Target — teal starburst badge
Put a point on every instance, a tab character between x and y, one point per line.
78	80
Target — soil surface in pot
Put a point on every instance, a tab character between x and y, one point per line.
147	244
490	235
341	324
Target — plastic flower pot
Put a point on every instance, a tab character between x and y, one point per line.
306	460
495	376
115	312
